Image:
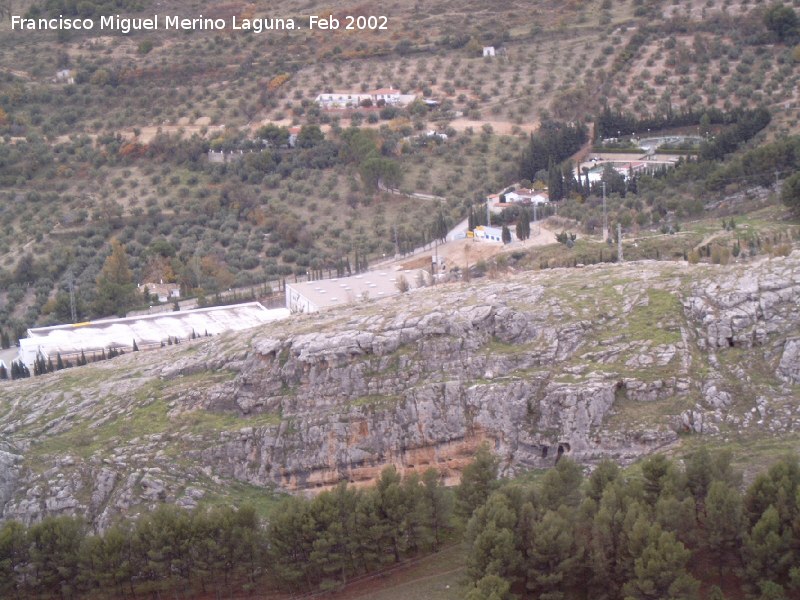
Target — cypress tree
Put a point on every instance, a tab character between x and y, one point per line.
555	183
59	362
506	235
3	372
135	347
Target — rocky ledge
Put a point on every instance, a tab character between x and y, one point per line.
609	361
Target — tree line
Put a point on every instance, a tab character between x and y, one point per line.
306	545
553	143
657	531
613	123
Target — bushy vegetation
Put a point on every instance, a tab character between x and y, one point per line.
306	545
658	530
655	533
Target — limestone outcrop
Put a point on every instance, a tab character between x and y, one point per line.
602	362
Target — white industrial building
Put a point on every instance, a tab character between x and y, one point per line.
488	234
313	296
524	196
388	96
149	331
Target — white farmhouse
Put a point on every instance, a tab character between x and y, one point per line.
526	196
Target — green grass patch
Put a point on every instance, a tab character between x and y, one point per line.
439	576
264	500
659	321
86	441
376	400
203	421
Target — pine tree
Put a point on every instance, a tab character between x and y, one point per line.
723	522
116	292
660	570
14	548
767	550
436	505
553	555
490	587
478	479
291	540
391	505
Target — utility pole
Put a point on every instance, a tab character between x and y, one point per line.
534	219
605	217
620	258
396	242
488	217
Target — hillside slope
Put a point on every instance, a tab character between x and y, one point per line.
608	361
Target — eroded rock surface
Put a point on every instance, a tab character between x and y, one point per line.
607	361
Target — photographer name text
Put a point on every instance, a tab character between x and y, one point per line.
126	25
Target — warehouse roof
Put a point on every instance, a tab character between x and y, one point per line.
147	330
326	293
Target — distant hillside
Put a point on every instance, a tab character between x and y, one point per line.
105	136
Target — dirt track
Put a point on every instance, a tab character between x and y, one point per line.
460	252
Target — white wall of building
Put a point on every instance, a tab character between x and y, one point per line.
297	303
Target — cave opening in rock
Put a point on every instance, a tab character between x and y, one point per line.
545	450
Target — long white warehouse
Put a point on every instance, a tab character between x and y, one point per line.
148	331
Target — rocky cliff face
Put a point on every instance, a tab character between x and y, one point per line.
611	361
